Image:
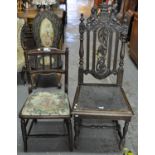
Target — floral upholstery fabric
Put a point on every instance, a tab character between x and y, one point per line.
46	33
20	51
47	103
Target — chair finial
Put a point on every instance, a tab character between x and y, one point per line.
82	18
93	11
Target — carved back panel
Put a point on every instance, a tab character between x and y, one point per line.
104	37
47	29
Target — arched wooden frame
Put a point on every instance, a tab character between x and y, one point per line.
56	23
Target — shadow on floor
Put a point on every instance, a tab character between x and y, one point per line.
90	140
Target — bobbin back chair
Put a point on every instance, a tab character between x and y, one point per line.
100	100
45	103
48	31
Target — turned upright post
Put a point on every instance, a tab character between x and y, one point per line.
81	49
123	37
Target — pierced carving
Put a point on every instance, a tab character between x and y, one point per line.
105	17
92	20
103	36
104	22
101	67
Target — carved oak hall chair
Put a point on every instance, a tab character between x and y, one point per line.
102	57
48	31
45	103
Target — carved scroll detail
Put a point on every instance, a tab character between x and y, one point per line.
101	67
103	36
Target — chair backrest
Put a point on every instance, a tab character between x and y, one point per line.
40	61
47	29
102	44
20	50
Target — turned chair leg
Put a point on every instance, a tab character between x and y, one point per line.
23	76
118	128
122	141
77	122
24	134
70	134
35	121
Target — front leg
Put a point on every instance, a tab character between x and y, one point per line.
122	141
70	135
76	129
23	76
24	134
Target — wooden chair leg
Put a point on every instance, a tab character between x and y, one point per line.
24	134
118	128
35	121
122	141
76	130
23	76
70	134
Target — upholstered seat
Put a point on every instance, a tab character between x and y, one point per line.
46	103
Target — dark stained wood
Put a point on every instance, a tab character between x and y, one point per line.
57	27
30	36
110	49
44	68
24	134
88	47
121	63
116	53
81	49
95	100
94	51
66	69
125	129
